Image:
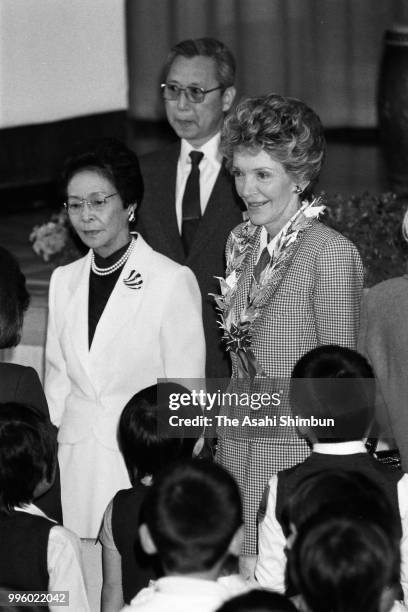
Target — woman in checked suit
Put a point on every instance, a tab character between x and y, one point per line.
119	318
292	283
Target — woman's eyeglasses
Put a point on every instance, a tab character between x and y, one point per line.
96	202
193	94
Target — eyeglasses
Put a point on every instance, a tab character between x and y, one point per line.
96	203
193	94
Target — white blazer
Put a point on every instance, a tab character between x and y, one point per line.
146	333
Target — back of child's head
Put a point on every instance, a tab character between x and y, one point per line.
258	601
147	440
192	511
344	564
334	382
27	454
339	493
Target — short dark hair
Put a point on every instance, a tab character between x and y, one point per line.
27	453
192	511
344	562
14	299
338	492
207	47
335	382
147	442
114	161
258	600
285	128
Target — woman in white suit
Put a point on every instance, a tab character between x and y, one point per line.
120	318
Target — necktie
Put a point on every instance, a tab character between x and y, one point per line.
191	207
261	264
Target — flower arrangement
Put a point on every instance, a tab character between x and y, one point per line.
54	241
373	224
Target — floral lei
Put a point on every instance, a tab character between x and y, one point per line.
237	329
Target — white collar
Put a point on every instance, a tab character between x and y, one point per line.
33	510
211	150
188	584
340	448
263	241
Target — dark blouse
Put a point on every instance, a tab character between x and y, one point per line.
100	288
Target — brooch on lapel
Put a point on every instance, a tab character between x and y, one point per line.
134	280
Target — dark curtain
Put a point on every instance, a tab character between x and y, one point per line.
325	52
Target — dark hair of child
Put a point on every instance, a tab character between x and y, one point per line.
27	454
342	493
258	601
14	299
147	442
334	382
344	564
193	510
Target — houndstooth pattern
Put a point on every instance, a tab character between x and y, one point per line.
317	302
252	463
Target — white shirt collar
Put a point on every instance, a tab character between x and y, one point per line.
211	150
340	448
263	242
34	510
187	584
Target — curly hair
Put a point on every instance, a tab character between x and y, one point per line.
286	128
405	226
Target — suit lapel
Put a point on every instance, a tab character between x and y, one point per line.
165	208
241	298
76	314
214	214
124	301
279	275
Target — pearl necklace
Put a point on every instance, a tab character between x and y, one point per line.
122	260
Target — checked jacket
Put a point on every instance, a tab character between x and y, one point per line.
317	301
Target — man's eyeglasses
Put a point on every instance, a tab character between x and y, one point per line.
96	203
193	94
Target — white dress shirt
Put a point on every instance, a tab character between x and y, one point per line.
185	593
209	169
63	564
271	564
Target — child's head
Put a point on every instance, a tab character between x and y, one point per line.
193	518
258	601
339	493
337	383
345	564
27	455
147	441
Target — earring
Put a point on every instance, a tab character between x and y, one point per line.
298	189
131	213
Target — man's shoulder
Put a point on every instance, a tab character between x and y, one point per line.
65	278
393	291
14	370
168	151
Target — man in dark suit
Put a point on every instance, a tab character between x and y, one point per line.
190	204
